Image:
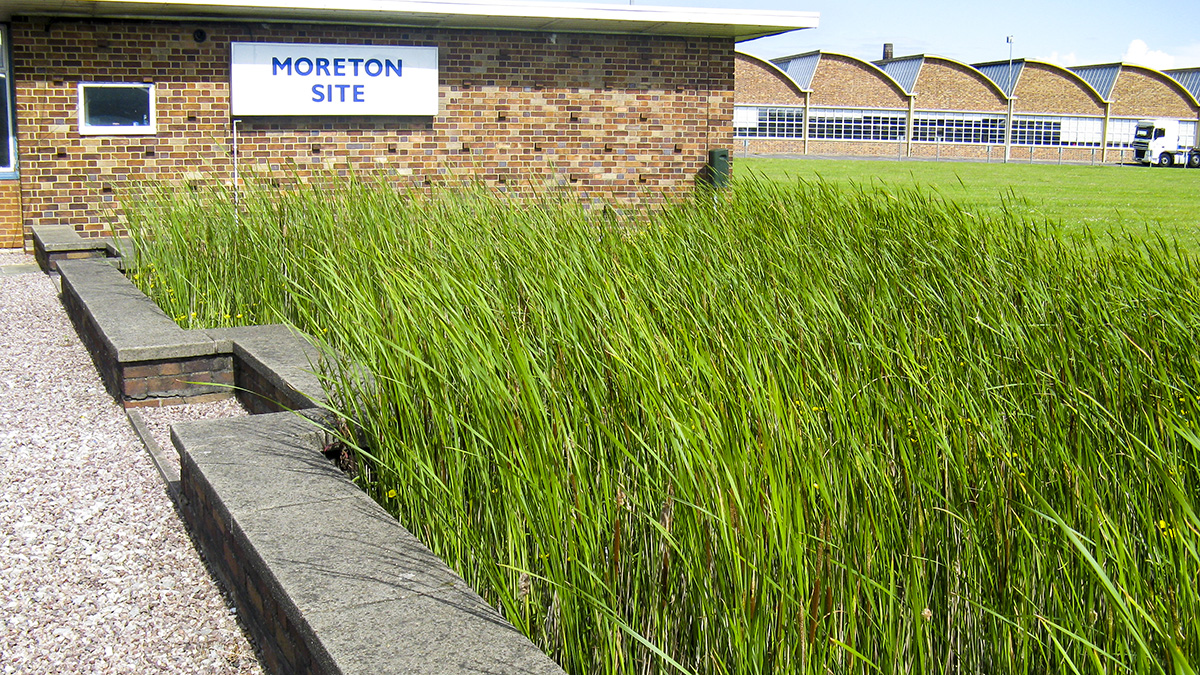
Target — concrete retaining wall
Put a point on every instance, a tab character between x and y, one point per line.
325	580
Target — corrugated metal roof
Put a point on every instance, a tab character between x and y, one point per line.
1102	78
1002	74
904	71
800	68
740	24
1189	78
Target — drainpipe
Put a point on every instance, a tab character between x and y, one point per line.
908	125
807	103
1008	129
1104	133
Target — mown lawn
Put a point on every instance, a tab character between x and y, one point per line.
1120	201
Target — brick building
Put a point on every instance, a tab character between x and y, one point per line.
618	102
927	106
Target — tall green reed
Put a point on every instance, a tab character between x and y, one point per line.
789	428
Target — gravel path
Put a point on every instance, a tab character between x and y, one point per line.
14	256
159	420
97	574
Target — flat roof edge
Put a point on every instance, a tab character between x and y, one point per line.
536	16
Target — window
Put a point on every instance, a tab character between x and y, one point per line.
823	124
857	125
1082	131
116	109
1037	131
753	122
8	141
745	118
1120	132
958	127
1187	132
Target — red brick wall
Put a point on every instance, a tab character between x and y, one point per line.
1140	92
11	235
617	117
946	85
759	81
891	149
846	81
1044	88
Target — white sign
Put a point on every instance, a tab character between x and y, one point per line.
300	79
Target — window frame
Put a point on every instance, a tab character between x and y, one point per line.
86	129
10	111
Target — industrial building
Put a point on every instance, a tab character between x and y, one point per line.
615	101
925	106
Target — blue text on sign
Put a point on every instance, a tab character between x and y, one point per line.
338	67
325	93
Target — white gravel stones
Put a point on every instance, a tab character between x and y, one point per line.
14	256
97	574
159	420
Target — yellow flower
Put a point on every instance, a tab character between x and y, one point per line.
391	494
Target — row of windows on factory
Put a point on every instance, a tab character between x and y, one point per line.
851	124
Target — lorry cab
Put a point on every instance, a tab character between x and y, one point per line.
1158	142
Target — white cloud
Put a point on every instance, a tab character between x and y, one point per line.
1140	53
1188	57
1064	60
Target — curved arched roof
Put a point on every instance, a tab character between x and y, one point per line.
904	71
1083	87
755	89
1005	74
1100	77
1189	78
1170	80
1104	77
802	67
907	69
997	71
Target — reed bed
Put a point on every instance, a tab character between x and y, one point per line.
787	428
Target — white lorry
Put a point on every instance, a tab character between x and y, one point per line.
1157	142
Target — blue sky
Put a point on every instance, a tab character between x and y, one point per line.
1158	33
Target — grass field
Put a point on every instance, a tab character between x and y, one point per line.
1111	201
800	429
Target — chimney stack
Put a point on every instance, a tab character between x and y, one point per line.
887	51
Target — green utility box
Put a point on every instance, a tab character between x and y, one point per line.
718	167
